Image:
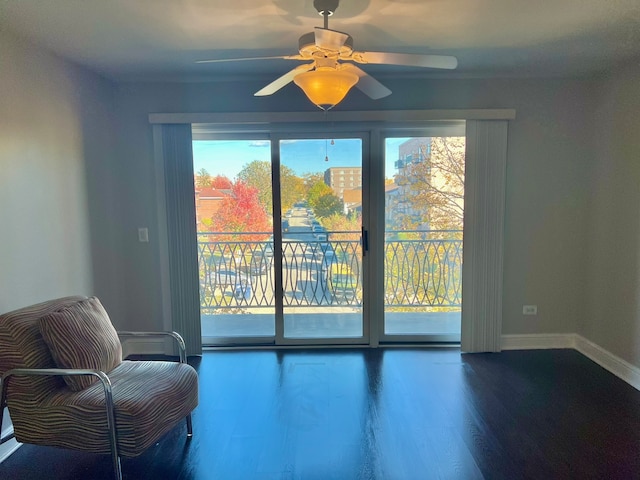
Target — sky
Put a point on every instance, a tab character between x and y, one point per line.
227	157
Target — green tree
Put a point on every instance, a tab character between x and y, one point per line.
317	191
202	179
328	205
292	189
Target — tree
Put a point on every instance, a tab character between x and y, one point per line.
241	212
258	175
221	182
436	186
202	179
328	205
338	222
292	189
316	191
310	179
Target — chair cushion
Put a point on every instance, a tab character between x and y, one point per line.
82	336
150	398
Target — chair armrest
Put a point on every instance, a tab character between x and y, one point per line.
103	377
176	336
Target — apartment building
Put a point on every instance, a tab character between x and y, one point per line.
343	178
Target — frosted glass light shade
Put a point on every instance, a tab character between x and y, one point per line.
326	88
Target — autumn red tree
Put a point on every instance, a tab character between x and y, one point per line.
221	183
240	212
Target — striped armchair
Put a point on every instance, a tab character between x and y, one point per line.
65	383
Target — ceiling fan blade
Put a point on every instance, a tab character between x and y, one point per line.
367	84
329	39
222	60
285	79
408	59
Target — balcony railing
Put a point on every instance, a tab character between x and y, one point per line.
422	269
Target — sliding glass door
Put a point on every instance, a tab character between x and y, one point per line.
423	224
286	222
279	223
321	200
234	218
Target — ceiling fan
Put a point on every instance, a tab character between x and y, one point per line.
325	80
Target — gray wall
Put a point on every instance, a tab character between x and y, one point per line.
550	155
56	137
56	129
612	313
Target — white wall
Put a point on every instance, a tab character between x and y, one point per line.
56	139
549	160
612	316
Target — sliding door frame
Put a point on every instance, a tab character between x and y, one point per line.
428	129
323	132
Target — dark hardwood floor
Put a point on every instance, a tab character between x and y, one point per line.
385	414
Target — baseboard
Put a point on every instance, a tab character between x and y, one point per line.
143	346
607	360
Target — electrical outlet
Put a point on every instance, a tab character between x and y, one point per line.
143	235
529	309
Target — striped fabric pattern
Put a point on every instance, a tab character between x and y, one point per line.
81	336
150	398
22	346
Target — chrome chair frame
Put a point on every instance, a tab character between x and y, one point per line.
106	385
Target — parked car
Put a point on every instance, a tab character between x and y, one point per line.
231	282
260	263
343	287
268	247
325	253
285	225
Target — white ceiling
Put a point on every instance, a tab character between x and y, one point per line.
155	39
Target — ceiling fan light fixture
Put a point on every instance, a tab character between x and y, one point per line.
326	87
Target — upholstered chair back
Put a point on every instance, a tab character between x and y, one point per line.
24	347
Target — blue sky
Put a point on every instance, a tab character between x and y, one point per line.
227	157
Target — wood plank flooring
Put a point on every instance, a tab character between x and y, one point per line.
385	414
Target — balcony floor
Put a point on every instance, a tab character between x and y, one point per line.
305	323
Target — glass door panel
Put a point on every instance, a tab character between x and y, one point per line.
424	207
233	196
321	204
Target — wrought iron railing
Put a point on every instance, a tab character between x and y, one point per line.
422	269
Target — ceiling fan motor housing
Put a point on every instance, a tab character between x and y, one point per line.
307	46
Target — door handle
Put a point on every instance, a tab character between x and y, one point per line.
364	241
